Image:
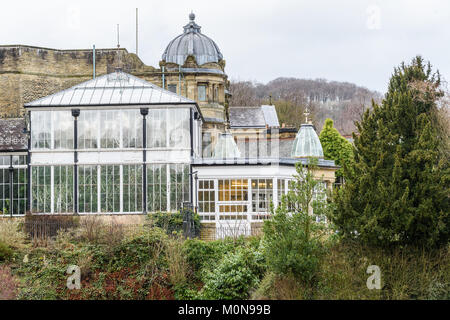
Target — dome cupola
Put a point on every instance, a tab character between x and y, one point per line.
226	147
192	43
307	143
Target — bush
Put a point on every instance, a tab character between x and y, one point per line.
172	222
6	253
207	254
96	231
406	273
292	238
8	284
176	260
138	251
11	233
276	287
234	277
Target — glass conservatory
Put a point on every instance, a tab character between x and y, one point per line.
115	144
118	145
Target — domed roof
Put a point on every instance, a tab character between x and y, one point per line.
192	43
226	147
306	143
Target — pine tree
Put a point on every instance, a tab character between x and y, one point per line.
397	190
292	238
335	147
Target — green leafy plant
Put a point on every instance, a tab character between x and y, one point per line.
335	147
6	252
234	277
172	222
292	242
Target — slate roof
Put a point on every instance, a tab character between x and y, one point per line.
270	116
12	137
116	88
246	117
253	117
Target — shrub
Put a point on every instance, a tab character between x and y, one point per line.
6	253
95	231
207	254
234	277
335	146
11	233
292	241
138	251
8	284
276	287
172	222
406	273
176	260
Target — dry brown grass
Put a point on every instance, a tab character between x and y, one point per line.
9	285
407	273
176	259
12	234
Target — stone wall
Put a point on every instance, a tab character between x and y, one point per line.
28	73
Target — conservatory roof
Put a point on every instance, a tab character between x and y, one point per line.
261	161
116	88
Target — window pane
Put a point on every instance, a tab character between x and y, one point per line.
202	92
172	88
110	129
132	188
131	129
110	188
157	128
156	187
88	128
63	129
41	129
206	196
87	189
41	192
63	189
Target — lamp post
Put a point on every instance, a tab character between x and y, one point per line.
194	173
11	176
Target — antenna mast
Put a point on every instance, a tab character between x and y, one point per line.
118	48
136	31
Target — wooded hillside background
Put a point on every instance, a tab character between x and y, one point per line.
343	102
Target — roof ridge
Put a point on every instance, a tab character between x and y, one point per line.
100	83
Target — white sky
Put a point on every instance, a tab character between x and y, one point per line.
356	41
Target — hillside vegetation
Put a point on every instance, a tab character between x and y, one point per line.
341	101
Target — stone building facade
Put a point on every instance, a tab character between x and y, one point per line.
192	65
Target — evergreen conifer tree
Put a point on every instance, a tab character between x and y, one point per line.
397	191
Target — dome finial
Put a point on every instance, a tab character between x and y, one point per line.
306	113
192	16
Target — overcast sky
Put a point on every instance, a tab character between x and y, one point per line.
355	41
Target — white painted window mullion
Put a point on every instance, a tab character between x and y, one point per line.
52	191
99	189
121	186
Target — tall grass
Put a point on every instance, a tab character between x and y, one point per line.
406	273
